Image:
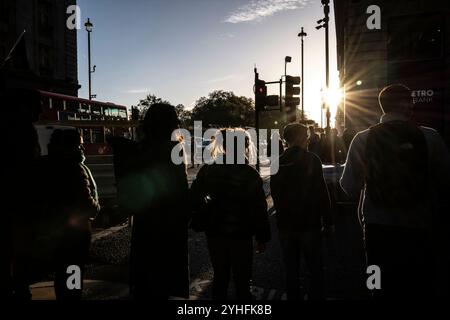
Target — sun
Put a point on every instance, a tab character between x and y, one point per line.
333	98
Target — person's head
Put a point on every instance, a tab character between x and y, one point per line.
66	144
396	98
296	134
312	130
159	122
334	132
238	139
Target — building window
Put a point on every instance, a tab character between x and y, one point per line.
415	38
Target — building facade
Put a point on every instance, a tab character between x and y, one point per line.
51	48
412	46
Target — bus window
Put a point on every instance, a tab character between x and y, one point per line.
123	114
46	102
98	135
84	108
113	112
96	110
109	133
71	116
86	134
58	104
72	106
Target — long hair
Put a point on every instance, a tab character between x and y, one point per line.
245	150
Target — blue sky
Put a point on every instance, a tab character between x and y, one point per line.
181	50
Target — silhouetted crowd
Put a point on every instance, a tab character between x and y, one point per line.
331	148
399	171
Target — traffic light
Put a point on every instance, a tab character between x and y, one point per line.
291	102
260	94
263	102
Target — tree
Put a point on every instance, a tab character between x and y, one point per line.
149	100
184	115
224	109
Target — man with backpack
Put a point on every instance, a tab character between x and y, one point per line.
302	203
403	169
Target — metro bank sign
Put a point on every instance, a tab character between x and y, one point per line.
422	96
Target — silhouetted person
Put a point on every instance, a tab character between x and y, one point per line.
314	143
333	148
347	137
230	206
279	144
155	191
403	169
72	202
193	149
303	211
21	144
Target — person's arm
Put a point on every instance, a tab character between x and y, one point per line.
84	195
352	180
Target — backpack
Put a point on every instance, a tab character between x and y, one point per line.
227	204
285	186
397	165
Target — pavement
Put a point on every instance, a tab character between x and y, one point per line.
107	273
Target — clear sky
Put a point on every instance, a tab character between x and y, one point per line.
181	50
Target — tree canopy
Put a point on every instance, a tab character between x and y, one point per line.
224	109
149	100
183	114
221	109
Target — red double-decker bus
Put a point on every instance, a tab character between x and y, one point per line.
95	120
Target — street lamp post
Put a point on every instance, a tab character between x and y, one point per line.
302	34
325	21
89	26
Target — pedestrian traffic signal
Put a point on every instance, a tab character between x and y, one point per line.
291	102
